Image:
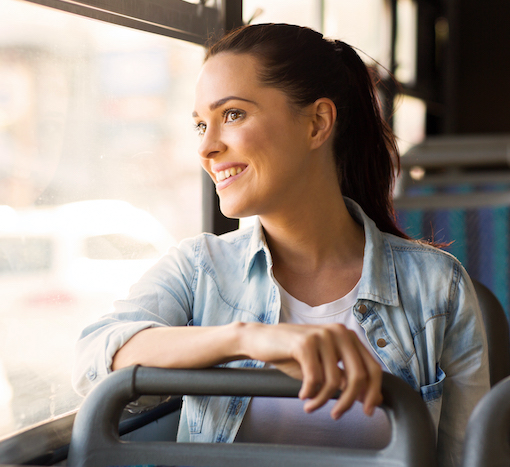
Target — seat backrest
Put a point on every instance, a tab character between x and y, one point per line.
496	327
473	225
95	441
487	441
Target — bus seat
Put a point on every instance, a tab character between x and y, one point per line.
455	189
95	441
478	236
487	441
496	327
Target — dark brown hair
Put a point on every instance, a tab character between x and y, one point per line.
306	66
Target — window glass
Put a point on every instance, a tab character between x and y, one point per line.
302	12
98	178
405	50
409	121
364	24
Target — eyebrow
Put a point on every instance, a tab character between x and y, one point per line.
223	101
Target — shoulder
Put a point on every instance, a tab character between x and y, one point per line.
217	256
432	274
427	269
230	240
420	252
211	252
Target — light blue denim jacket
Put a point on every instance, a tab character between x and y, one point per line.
420	306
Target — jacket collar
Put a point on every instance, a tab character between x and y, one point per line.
257	244
378	279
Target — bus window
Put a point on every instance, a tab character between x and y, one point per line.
364	24
98	178
405	50
409	121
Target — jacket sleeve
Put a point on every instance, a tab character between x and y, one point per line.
162	297
465	362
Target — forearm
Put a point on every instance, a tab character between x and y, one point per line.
181	347
306	352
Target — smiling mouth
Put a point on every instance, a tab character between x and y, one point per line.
224	174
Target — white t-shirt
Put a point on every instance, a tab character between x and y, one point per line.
283	421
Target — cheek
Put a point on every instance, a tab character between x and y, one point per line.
247	140
249	144
268	146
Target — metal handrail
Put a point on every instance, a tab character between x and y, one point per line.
96	443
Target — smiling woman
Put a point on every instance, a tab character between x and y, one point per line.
262	134
324	286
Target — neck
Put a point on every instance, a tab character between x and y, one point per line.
308	240
316	246
317	258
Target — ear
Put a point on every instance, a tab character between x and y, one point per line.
323	112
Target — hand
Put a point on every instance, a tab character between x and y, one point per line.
312	353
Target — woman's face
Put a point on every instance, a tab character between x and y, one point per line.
253	144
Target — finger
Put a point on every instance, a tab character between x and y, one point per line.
372	396
355	372
306	354
290	368
333	375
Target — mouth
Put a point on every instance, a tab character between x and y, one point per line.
230	172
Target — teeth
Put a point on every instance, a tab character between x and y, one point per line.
224	174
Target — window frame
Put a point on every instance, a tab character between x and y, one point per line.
173	18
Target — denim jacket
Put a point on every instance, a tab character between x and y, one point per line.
416	304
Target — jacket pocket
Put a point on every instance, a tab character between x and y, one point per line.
196	408
431	392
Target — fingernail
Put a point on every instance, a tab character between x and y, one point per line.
336	415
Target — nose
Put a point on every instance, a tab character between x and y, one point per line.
211	145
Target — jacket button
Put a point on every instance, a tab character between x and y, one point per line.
362	309
381	343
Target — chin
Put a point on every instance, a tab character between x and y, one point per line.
235	211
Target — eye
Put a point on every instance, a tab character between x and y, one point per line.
200	128
232	115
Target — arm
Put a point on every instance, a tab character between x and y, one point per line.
465	362
306	352
152	328
163	298
181	347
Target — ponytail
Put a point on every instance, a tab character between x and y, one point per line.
306	66
365	147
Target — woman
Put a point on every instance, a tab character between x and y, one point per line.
291	131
